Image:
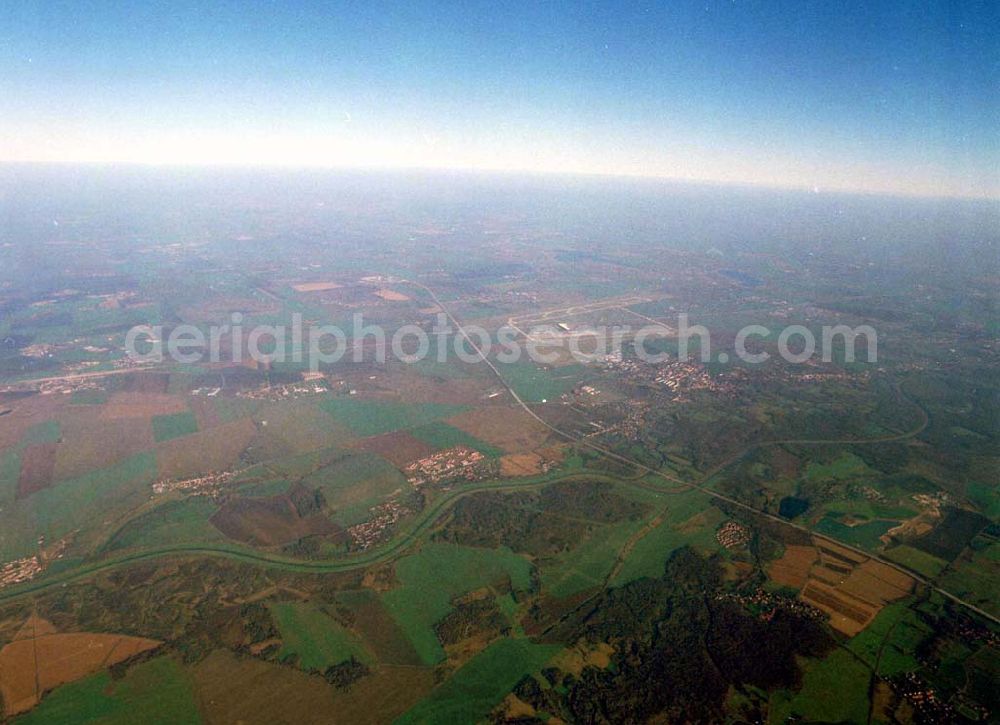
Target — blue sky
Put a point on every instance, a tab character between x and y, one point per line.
879	96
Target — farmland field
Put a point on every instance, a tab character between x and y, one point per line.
174	425
920	561
479	685
651	552
373	417
160	689
441	435
312	639
647	537
430	578
833	690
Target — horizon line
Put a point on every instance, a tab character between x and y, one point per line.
508	171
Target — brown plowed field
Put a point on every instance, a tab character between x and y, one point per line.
38	463
40	659
792	569
399	448
513	431
270	522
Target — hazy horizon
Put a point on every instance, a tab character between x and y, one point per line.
889	99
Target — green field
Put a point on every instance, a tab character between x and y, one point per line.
80	504
649	556
976	581
477	687
535	384
355	482
48	432
588	563
441	435
176	522
301	426
987	497
920	561
834	690
314	639
154	692
373	417
10	471
89	397
846	465
431	578
174	425
864	535
891	640
230	409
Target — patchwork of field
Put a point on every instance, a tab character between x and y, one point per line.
78	506
588	564
95	442
889	643
975	576
40	659
174	425
140	404
38	463
847	586
353	482
375	625
793	567
536	384
300	426
436	630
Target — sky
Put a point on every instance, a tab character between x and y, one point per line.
861	96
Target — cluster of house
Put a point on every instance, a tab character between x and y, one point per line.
375	528
285	392
923	698
19	571
767	604
209	484
679	377
129	362
732	535
458	462
684	377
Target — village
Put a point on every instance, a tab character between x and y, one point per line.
767	604
458	462
378	526
20	571
273	393
208	485
733	535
